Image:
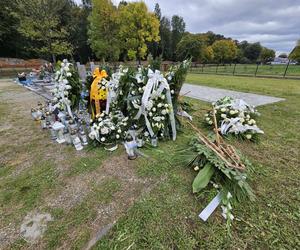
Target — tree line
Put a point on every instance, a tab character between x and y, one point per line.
97	29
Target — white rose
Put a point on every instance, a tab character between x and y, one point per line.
223	116
154	109
207	119
102	139
223	109
119	131
117	136
159	105
196	168
166	105
163	97
69	74
150	114
232	112
164	112
248	136
172	92
210	122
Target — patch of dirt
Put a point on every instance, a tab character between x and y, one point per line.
19	131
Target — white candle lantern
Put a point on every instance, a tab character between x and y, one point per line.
43	122
154	141
62	117
52	131
130	147
76	141
83	138
59	129
139	142
67	137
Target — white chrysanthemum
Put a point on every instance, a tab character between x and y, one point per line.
104	131
248	136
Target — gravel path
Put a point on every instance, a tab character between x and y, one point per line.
209	94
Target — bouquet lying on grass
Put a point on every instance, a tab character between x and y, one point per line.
220	166
235	117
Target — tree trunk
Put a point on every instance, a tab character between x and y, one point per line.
54	59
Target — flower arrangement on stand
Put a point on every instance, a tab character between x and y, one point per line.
67	87
235	117
109	128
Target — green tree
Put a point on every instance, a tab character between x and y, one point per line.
178	28
41	24
252	51
103	30
224	51
208	54
138	27
155	47
295	54
191	45
9	35
166	38
267	55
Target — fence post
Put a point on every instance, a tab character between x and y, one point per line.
217	68
234	69
256	69
202	67
287	66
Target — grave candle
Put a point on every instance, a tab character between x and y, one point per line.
59	128
76	141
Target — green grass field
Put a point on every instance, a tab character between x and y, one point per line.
167	218
250	69
87	189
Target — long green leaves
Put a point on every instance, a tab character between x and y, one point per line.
203	177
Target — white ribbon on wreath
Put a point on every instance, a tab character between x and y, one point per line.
234	125
158	83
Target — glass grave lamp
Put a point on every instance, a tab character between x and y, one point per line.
52	131
140	142
130	147
67	137
83	138
58	127
76	141
154	141
43	122
62	117
72	125
33	113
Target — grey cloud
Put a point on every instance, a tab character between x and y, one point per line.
274	23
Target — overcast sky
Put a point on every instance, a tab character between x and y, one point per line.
273	23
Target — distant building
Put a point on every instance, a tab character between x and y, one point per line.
280	60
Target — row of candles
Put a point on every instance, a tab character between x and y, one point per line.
63	128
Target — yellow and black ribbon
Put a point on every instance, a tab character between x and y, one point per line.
97	94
